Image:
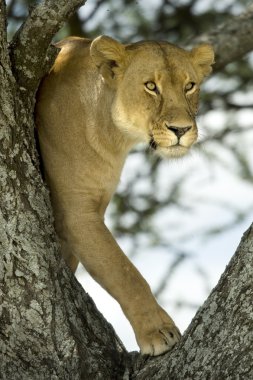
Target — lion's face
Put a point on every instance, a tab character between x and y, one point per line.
156	90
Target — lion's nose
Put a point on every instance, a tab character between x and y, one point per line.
178	131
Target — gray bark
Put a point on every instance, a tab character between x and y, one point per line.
30	54
49	327
218	343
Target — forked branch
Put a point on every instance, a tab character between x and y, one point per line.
31	43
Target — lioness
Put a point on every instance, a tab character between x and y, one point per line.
100	99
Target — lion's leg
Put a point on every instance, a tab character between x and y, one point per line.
70	259
89	239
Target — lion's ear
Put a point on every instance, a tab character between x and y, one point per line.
108	55
203	58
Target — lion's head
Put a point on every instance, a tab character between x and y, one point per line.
156	90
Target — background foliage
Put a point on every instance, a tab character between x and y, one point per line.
175	209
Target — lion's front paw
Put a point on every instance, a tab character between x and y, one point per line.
159	340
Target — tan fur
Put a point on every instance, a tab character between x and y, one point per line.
92	108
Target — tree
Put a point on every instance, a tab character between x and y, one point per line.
51	329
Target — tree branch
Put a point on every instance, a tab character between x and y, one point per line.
7	85
218	343
31	43
3	34
231	40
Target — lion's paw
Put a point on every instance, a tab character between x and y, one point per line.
160	340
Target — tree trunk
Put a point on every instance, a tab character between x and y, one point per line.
218	343
49	327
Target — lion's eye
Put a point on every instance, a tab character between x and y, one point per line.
190	86
151	86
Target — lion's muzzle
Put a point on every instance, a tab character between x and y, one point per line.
178	131
172	139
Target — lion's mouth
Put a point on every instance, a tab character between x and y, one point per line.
154	145
176	150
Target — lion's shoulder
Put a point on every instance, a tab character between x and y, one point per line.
74	43
73	56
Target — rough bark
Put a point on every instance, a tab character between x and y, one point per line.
31	43
218	343
49	327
